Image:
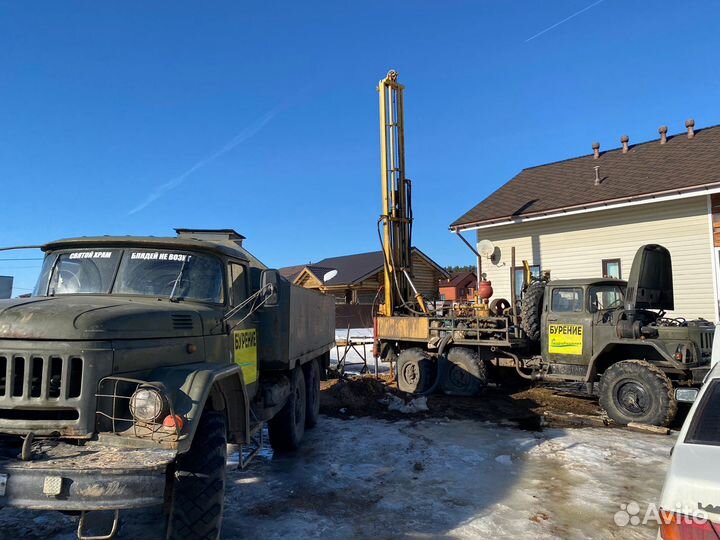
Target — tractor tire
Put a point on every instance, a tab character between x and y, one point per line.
637	391
198	487
312	393
466	373
286	428
531	310
415	371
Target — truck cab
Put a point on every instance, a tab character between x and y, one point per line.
151	354
573	318
618	333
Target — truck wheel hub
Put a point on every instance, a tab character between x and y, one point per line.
410	373
633	398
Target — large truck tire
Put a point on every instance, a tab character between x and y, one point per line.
637	391
531	310
415	371
466	373
312	393
286	428
198	488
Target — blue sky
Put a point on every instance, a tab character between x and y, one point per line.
137	117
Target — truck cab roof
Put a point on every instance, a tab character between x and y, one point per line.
220	241
584	282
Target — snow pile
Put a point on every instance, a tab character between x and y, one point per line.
395	403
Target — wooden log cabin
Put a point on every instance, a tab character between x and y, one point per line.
355	281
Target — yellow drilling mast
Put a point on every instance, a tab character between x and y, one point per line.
396	219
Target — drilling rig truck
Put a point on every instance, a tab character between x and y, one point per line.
611	332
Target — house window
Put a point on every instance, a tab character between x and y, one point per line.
519	275
366	298
611	268
567	300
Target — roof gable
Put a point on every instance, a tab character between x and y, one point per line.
353	269
647	169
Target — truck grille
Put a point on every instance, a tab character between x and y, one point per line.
706	340
32	377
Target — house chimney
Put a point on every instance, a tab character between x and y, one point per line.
597	175
663	134
690	125
596	150
624	140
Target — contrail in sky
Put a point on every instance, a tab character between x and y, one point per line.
240	138
566	19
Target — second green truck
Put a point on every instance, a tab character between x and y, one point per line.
611	332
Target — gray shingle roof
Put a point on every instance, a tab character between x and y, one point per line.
351	269
647	169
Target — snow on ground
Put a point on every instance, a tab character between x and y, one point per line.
354	357
366	478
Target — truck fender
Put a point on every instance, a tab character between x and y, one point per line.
618	350
193	386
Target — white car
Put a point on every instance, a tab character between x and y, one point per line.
690	500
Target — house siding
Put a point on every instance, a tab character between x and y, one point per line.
574	247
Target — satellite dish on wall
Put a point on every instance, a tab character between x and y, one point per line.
486	248
329	275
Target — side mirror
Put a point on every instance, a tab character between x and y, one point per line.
686	395
269	279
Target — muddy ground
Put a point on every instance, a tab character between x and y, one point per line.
524	405
509	464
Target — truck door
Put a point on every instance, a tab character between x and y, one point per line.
243	334
567	329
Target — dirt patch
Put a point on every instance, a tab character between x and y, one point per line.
558	400
355	396
526	407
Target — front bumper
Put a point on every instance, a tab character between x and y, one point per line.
64	476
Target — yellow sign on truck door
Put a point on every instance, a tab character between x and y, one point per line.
246	353
565	339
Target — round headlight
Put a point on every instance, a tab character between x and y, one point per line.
147	405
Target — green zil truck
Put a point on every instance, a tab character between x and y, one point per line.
138	360
615	336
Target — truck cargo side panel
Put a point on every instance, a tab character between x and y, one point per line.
300	327
312	325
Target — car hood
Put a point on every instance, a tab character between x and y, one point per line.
691	485
75	317
650	285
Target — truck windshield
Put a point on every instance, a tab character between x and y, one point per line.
158	273
705	426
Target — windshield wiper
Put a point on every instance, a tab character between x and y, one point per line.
177	281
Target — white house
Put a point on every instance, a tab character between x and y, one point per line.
586	217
